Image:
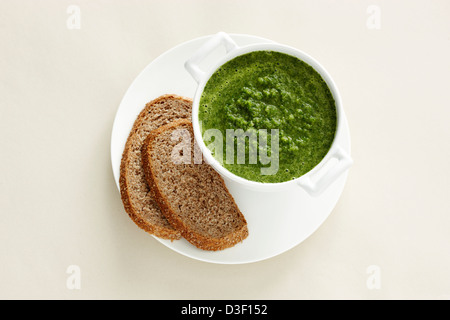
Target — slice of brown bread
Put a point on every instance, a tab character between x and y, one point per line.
135	193
192	196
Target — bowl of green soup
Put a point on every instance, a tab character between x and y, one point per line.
267	116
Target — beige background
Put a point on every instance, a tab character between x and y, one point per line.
59	205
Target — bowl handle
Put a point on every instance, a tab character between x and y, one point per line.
191	65
317	181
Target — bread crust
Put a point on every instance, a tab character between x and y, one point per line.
199	240
159	231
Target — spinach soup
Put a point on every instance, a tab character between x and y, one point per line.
276	92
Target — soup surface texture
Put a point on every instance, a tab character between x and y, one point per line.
272	91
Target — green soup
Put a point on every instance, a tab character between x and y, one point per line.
277	92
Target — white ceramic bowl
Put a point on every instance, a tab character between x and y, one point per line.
335	162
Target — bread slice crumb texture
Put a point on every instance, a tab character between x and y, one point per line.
137	198
192	196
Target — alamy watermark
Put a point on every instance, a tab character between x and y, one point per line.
241	147
374	279
73	21
373	21
73	281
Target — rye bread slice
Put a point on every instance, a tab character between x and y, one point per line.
192	195
137	199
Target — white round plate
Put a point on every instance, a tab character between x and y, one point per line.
277	221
